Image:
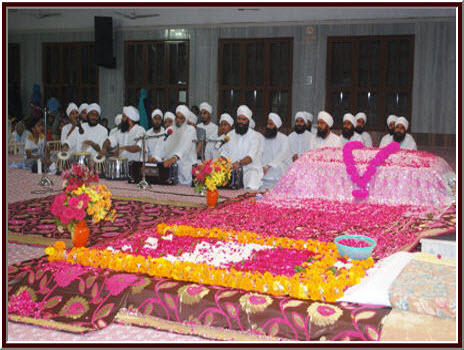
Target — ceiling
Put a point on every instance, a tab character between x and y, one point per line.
26	19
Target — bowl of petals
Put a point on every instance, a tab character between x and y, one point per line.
355	246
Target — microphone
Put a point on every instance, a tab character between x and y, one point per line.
168	132
81	129
224	141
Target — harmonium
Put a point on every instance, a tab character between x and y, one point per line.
236	180
155	173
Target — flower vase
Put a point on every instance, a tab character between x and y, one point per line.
212	198
80	234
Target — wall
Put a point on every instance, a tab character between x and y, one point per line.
434	84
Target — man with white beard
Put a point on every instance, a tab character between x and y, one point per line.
94	134
348	132
300	140
276	152
388	138
361	120
180	146
155	145
243	149
124	141
325	137
213	149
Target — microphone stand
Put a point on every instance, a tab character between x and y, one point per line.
143	184
45	181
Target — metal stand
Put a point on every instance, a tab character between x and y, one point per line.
45	181
143	184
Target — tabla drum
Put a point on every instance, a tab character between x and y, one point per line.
117	168
80	158
99	165
63	161
155	173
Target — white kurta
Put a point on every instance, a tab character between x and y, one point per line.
211	130
332	140
128	139
367	139
154	147
35	148
112	131
241	146
408	142
300	143
97	134
355	137
386	140
276	154
213	149
72	140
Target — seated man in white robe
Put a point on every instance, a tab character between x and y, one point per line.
243	149
388	138
168	119
325	137
94	134
70	132
405	140
348	132
276	152
261	140
213	148
154	146
301	139
309	123
180	146
117	121
127	142
361	120
211	129
83	111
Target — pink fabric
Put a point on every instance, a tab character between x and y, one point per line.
407	177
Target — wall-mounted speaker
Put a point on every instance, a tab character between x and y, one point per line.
104	42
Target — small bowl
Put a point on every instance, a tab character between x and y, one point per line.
353	252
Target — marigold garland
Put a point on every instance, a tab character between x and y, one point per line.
317	282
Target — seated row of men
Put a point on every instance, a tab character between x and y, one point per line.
263	159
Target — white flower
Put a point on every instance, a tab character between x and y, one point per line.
340	265
168	237
126	247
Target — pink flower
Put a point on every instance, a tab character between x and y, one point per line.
79	202
117	283
67	273
58	203
67	215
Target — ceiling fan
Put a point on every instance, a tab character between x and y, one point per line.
40	15
134	15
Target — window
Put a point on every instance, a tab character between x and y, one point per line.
258	73
371	74
161	67
70	73
14	80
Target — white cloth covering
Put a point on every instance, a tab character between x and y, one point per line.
332	140
275	119
72	139
206	106
276	154
72	106
355	137
367	139
211	130
97	134
323	115
241	146
386	140
300	143
213	149
155	147
408	142
128	139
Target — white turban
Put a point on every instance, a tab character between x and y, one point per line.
192	118
184	110
206	106
71	107
244	110
403	121
226	117
391	118
301	115
155	112
252	124
309	116
82	107
117	119
169	115
132	113
323	115
94	107
362	116
276	119
350	117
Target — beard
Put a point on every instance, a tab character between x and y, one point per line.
399	137
322	133
309	127
391	131
347	133
242	129
270	133
156	128
359	129
124	126
92	123
299	129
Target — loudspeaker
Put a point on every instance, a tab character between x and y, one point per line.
104	42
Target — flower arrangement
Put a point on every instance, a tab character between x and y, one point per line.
81	199
211	174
